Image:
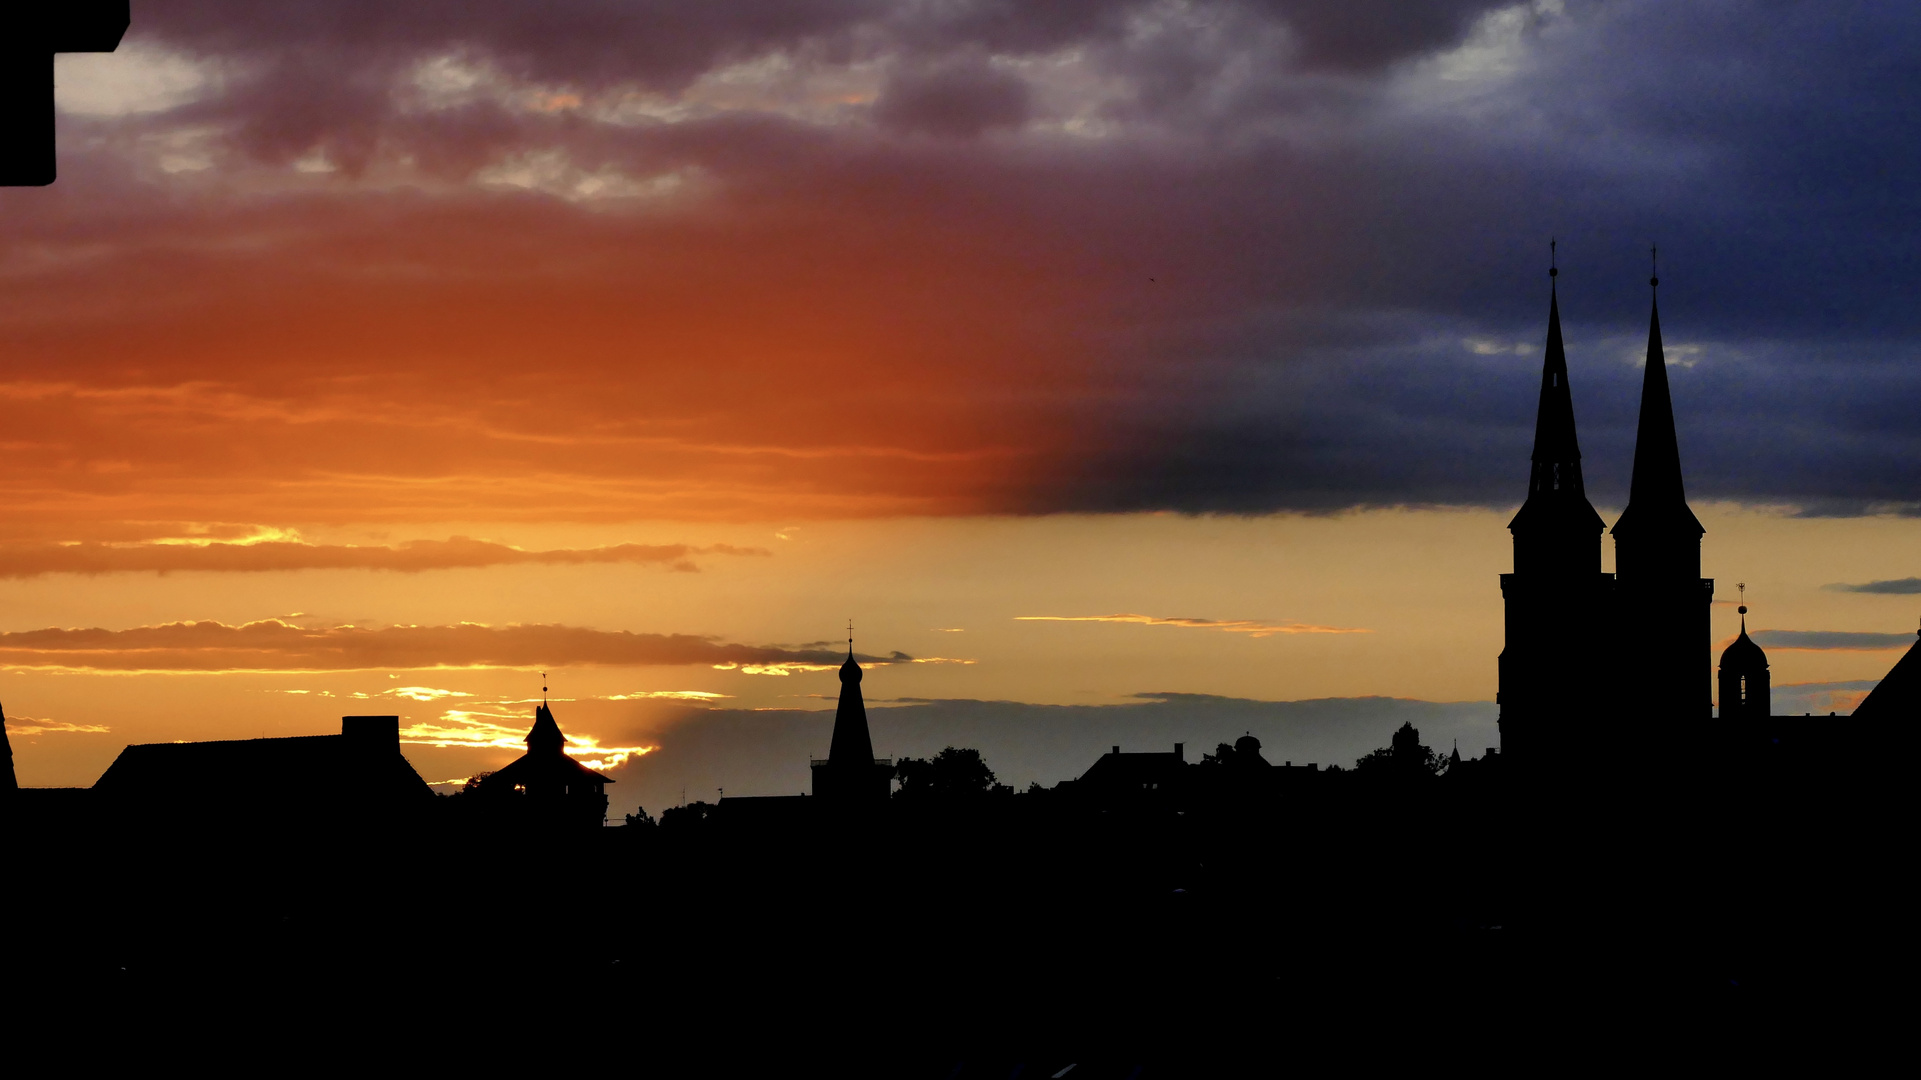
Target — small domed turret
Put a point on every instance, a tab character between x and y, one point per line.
1745	693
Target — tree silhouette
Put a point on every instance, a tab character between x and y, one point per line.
1403	756
686	817
951	775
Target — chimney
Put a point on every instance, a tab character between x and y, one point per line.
372	733
1180	751
1117	749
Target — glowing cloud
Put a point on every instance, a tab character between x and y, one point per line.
272	551
1232	626
475	730
421	693
27	725
670	695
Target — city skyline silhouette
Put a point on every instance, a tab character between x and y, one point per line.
1273	632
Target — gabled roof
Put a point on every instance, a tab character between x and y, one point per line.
1898	697
314	765
1133	769
540	768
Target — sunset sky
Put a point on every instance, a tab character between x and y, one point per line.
378	358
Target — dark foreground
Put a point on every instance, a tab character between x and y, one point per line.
1594	922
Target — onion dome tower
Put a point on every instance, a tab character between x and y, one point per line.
1745	693
1557	566
1663	601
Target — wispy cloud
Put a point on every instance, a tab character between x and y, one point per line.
28	725
421	693
1249	627
1907	586
1828	640
276	645
668	695
1820	697
790	667
262	555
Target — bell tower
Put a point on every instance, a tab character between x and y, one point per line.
1745	690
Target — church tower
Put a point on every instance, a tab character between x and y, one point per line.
1665	643
851	776
1557	597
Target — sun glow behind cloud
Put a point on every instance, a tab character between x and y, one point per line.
474	729
28	725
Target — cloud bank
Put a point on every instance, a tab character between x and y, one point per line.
320	262
414	556
276	645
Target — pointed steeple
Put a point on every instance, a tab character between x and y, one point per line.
1556	529
852	744
1557	453
1657	504
545	738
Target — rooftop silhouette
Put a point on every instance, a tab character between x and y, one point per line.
35	31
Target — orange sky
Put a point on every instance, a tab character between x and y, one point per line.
297	425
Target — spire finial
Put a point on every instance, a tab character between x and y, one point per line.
850	636
1743	586
1654	266
543	688
1553	271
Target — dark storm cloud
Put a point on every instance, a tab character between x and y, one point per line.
1313	230
962	99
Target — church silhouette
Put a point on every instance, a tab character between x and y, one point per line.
1585	647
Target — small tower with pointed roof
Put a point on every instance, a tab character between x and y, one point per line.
1557	597
1745	691
1662	599
544	786
851	776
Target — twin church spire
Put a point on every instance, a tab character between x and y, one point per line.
1642	636
1657	528
1557	508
